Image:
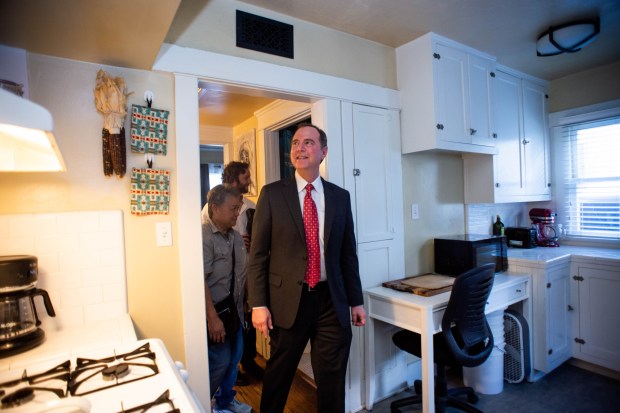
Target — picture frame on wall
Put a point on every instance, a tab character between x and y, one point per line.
245	151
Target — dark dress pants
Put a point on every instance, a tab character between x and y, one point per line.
316	321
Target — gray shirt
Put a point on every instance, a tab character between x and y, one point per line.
217	250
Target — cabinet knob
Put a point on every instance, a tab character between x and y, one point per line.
495	136
356	172
525	141
549	185
439	126
497	185
472	131
570	308
437	56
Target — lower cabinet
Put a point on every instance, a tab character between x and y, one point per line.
552	313
596	293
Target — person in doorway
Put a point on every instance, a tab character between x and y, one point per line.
225	271
238	175
303	277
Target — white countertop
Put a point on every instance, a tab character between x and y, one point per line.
61	343
547	255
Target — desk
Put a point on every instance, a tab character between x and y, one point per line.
423	315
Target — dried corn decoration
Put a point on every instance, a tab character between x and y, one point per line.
110	99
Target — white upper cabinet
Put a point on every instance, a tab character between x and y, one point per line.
520	170
446	94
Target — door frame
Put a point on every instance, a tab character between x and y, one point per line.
191	65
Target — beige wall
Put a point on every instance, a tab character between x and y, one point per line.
434	181
317	49
65	87
585	88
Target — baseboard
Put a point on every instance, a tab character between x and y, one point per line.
603	371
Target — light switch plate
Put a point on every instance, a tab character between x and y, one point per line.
415	211
163	234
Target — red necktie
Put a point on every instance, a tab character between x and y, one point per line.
311	225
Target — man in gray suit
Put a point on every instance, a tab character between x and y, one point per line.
303	277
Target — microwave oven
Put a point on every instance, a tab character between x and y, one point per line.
459	253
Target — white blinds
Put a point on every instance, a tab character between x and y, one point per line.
591	158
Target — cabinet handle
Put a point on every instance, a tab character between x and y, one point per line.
525	142
497	185
472	131
550	351
548	285
518	290
495	136
570	308
439	126
437	56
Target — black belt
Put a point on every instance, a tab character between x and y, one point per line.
320	286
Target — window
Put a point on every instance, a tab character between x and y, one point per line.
591	178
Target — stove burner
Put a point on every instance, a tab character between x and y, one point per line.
163	399
17	398
115	372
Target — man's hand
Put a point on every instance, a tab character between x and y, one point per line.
358	316
261	320
246	241
216	330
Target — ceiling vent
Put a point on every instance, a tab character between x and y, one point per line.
264	35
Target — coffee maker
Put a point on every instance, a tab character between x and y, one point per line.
543	220
19	323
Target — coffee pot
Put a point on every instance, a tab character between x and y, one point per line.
19	322
543	220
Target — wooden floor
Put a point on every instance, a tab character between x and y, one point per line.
301	399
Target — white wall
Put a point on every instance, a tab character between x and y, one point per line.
317	49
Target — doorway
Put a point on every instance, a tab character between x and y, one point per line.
225	116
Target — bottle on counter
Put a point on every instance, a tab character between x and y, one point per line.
498	227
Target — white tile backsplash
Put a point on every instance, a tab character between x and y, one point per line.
479	218
81	258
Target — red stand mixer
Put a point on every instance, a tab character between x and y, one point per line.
543	220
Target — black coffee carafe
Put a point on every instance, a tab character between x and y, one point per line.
19	323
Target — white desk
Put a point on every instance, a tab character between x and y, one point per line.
423	316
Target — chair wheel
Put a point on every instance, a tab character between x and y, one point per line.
417	386
472	398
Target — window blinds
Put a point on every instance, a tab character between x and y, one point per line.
591	158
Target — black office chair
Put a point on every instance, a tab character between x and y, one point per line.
465	340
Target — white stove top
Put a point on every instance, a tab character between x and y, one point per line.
151	373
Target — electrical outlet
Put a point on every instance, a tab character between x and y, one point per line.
415	211
164	234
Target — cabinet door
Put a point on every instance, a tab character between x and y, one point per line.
373	185
481	84
559	322
535	139
451	94
508	162
599	316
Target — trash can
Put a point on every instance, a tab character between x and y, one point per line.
488	378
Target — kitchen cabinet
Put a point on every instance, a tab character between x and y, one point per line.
519	172
552	313
446	96
596	288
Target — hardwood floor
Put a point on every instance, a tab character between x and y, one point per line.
301	398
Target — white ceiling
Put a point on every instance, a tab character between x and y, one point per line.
129	33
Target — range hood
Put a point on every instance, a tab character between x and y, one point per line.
27	142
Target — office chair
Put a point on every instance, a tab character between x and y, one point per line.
465	340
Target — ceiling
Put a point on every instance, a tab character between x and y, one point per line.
129	33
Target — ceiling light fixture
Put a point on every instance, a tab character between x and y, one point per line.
567	38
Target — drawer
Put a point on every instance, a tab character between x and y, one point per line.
506	296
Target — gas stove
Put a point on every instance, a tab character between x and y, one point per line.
129	378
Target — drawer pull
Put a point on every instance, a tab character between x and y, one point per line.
518	290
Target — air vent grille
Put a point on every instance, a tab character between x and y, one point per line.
264	35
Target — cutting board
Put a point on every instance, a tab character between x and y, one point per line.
424	284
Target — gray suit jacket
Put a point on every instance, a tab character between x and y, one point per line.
277	262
